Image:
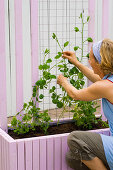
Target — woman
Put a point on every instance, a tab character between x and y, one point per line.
89	150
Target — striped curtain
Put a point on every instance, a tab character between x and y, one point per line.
19	48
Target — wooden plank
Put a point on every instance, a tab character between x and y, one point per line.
57	153
19	54
3	98
28	154
105	19
12	156
8	64
0	151
21	155
36	154
13	57
27	83
50	155
98	20
110	19
43	153
91	24
64	151
34	39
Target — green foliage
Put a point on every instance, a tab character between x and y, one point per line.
83	112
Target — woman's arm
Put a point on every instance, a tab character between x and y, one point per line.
85	70
99	89
88	72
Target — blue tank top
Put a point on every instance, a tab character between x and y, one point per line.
108	140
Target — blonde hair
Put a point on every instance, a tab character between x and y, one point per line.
106	53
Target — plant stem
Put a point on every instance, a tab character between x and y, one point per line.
82	37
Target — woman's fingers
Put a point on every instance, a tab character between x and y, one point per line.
65	56
67	53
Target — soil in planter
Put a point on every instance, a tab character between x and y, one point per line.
54	129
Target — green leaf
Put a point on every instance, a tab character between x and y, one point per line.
57	57
43	82
49	61
45	66
89	39
25	105
52	76
76	48
66	44
81	15
80	75
59	104
76	29
46	51
40	67
38	82
55	101
88	18
87	55
41	96
60	54
54	36
60	66
14	121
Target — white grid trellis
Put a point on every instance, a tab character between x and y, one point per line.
59	17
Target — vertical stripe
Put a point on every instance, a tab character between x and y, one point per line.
105	18
8	66
50	158
105	32
21	155
36	155
57	154
19	54
34	40
12	156
27	84
110	19
64	150
3	98
91	24
98	20
12	57
28	154
43	158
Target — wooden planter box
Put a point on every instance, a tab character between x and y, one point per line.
36	153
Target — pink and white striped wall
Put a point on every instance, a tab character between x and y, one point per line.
19	48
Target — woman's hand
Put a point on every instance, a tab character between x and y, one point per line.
61	79
70	56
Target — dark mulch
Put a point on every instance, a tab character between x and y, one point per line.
53	129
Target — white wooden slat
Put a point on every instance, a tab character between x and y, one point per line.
0	151
64	151
21	155
36	154
110	19
43	153
13	58
57	153
12	156
50	154
98	20
27	83
28	154
8	75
